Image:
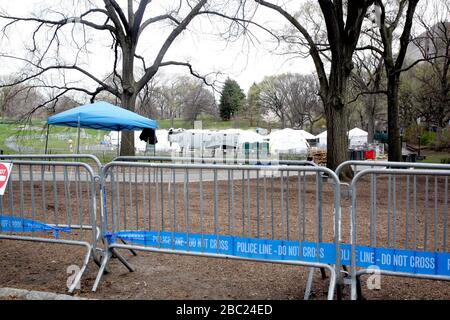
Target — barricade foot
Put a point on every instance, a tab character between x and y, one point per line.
123	260
131	250
101	270
77	280
309	284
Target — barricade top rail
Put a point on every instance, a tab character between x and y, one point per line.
53	156
56	163
398	172
223	167
215	160
434	166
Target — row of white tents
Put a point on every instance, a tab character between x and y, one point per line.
280	141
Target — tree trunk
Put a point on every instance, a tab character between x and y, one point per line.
395	148
371	118
127	143
337	141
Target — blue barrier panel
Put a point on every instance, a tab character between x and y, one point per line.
398	260
16	224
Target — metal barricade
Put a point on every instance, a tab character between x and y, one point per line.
51	202
401	227
275	214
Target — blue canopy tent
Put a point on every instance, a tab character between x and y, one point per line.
100	115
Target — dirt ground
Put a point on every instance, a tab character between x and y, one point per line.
43	267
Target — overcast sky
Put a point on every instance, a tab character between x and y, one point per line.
242	62
207	53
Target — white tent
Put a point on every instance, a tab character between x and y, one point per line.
287	140
322	139
307	135
244	136
357	137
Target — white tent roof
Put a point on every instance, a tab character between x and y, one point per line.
322	134
288	140
307	135
357	132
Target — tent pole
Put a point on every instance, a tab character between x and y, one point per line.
118	144
46	139
78	139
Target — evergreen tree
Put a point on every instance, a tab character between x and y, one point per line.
231	99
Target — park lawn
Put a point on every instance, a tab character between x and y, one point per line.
435	157
38	130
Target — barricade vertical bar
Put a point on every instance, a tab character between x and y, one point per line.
353	242
319	189
229	201
202	230
158	221
117	190
174	196
232	203
435	213
130	198
265	205
257	206
216	213
425	242
445	215
21	192
43	196
55	196
371	212
33	207
375	210
389	211
249	209
300	214
318	214
287	205
407	213
79	200
415	211
304	205
272	207
243	201
149	176
144	200
136	204
171	207
67	199
394	191
124	199
162	199
11	201
282	204
186	203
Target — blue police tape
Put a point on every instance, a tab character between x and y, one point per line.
399	260
15	224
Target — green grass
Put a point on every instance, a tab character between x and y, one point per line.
435	157
22	136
